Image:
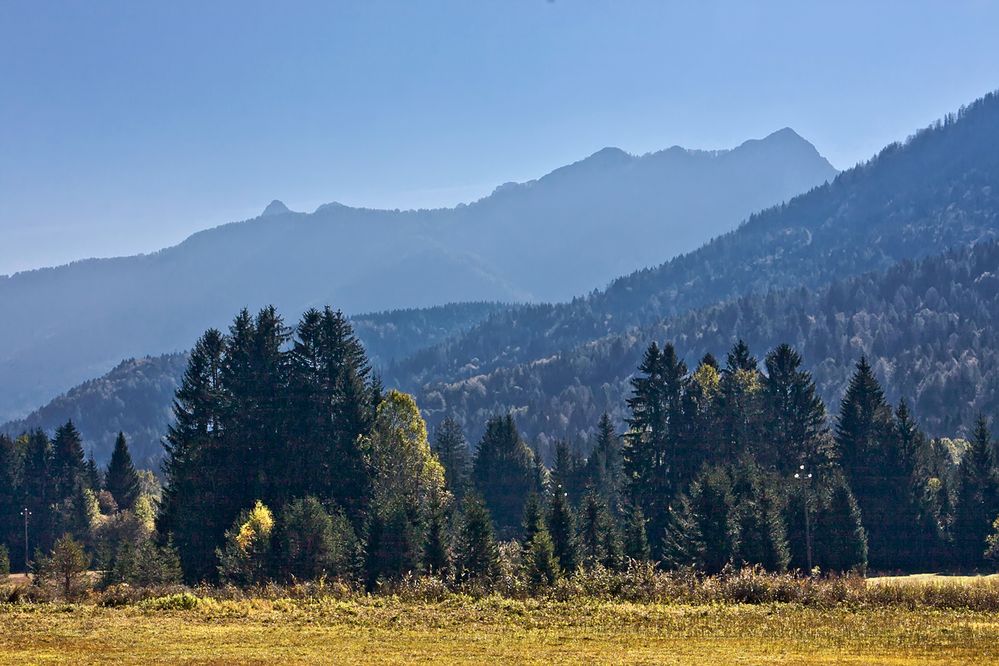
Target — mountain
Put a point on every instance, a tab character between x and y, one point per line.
935	191
547	239
135	397
927	328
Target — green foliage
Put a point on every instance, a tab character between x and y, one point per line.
144	565
451	450
840	538
246	556
476	551
562	529
540	563
4	564
977	498
504	474
311	543
64	570
122	481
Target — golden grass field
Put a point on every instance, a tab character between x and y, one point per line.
492	630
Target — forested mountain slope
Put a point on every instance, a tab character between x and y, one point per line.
927	328
937	190
552	238
136	396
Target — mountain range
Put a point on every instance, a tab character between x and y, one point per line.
548	239
895	259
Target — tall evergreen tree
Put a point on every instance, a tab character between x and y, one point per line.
879	473
840	542
739	404
38	492
504	474
604	468
703	531
600	542
191	514
762	533
977	498
122	479
658	455
452	450
794	418
10	504
636	539
476	552
68	467
562	528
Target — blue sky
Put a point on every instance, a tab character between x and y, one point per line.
125	126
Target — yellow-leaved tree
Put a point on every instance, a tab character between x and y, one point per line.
407	492
245	557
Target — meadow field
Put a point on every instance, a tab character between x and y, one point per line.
460	629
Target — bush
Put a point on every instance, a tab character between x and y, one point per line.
64	571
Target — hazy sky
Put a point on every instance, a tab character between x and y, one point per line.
126	126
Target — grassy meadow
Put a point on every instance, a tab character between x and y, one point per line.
910	622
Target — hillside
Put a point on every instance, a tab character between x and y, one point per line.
935	191
552	238
136	396
926	327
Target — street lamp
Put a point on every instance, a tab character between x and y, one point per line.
801	475
25	513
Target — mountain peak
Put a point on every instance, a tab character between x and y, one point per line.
275	207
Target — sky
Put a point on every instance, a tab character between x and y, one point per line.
126	126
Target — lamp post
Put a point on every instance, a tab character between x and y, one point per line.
25	513
801	475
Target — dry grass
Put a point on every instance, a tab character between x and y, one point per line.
459	629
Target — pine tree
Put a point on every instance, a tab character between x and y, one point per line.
540	562
436	547
476	552
67	467
703	531
189	514
840	539
452	450
604	469
877	473
794	417
122	479
533	519
762	534
977	498
10	506
636	540
38	491
600	543
658	456
562	528
504	474
739	404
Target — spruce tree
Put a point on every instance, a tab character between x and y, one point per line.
878	472
703	531
68	467
636	540
604	468
476	552
10	506
122	479
189	514
504	474
840	542
562	528
739	404
452	450
658	456
540	562
762	534
794	417
533	519
977	498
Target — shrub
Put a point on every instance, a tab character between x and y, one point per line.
64	570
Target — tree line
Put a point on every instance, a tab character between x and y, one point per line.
288	460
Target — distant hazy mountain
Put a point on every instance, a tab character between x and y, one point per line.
559	236
830	272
